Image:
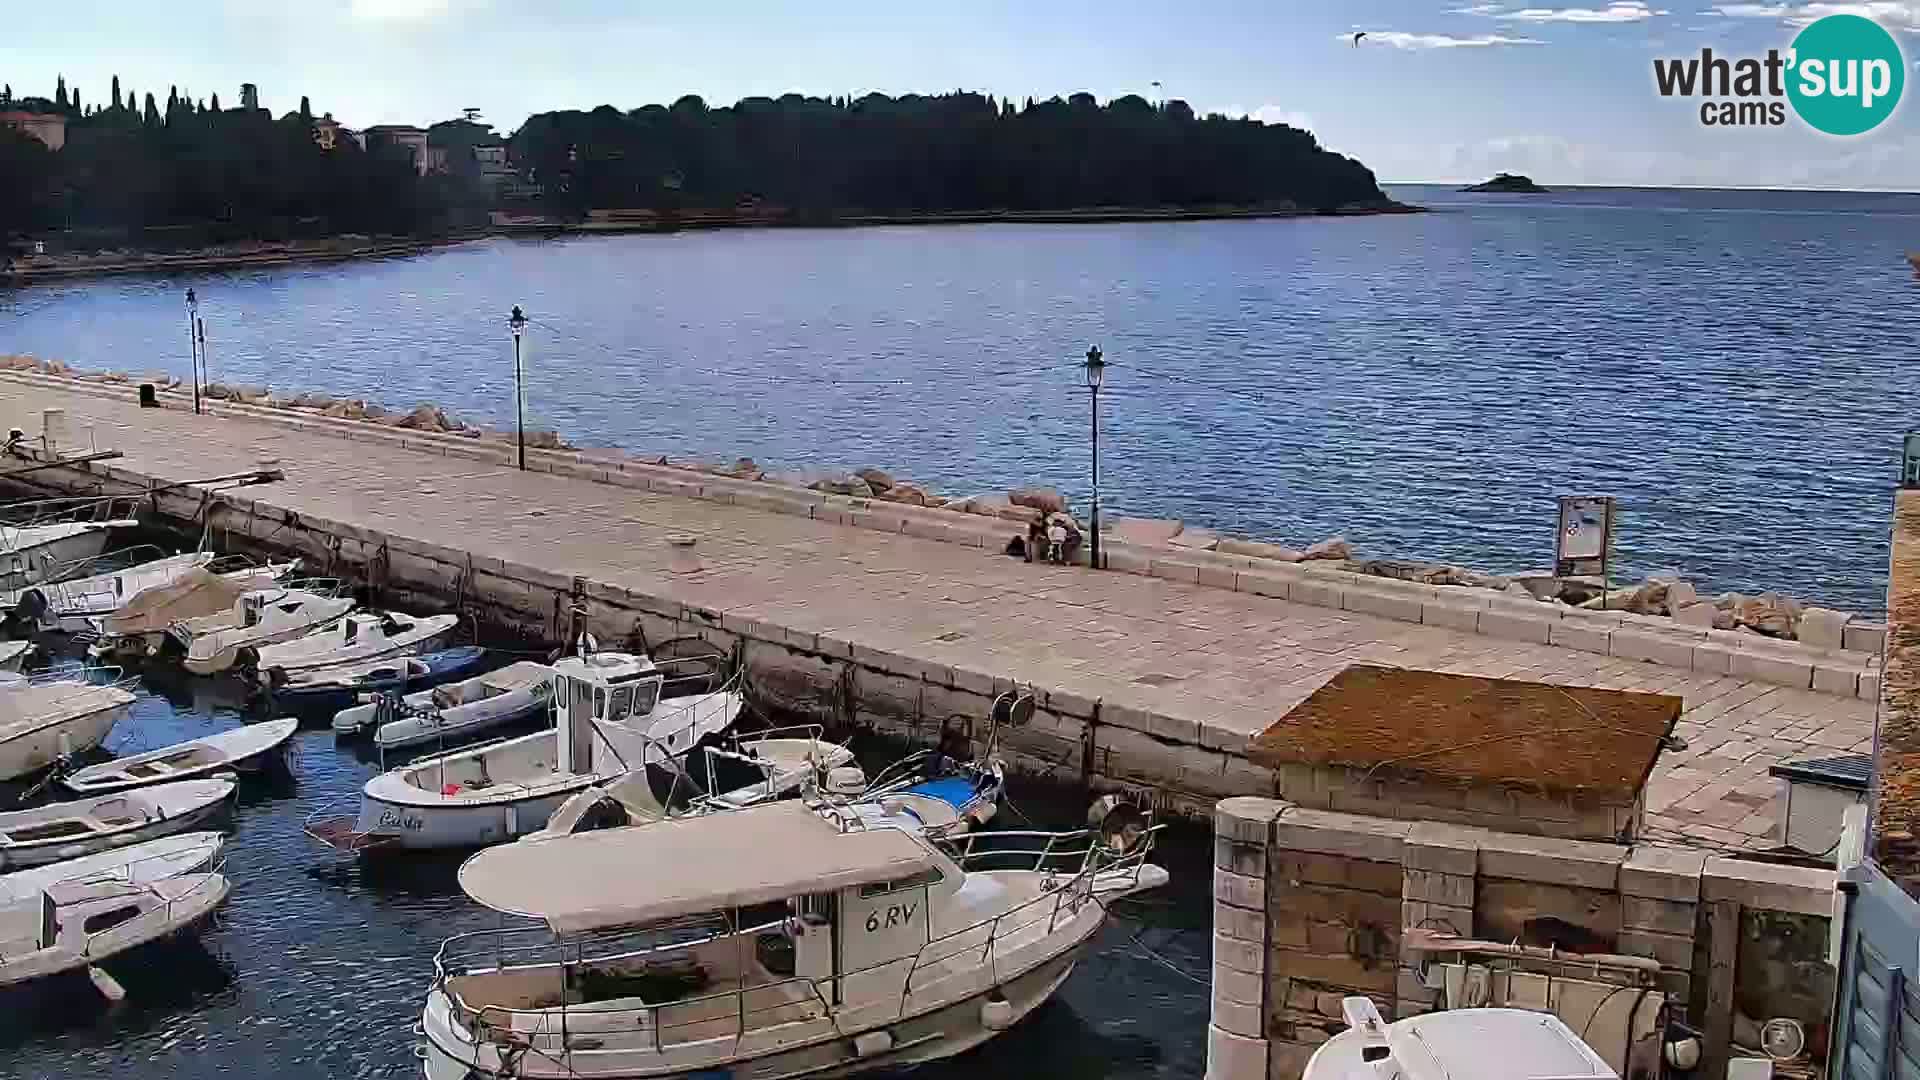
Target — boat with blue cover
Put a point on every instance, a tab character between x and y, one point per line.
339	687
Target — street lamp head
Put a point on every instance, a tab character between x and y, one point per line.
517	320
1096	367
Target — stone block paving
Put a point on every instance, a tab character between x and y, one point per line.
1229	663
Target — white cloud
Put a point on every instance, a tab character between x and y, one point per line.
1400	39
1623	12
1476	9
1902	14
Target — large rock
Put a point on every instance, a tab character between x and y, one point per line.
1430	573
1823	628
1044	499
1679	595
1146	532
845	484
217	391
346	410
903	493
746	469
877	479
1195	540
1700	613
253	395
1770	614
58	367
546	440
1333	547
1257	549
430	418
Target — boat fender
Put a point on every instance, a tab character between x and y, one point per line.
996	1014
872	1042
108	986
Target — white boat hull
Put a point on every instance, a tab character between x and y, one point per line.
31	751
412	827
28	565
21	856
247	749
219	660
166	908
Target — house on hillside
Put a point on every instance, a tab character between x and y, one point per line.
405	136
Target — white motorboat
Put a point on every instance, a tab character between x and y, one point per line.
78	924
136	864
98	587
362	635
781	940
247	749
212	643
1486	1044
43	722
13	654
29	553
140	625
517	693
69	830
611	718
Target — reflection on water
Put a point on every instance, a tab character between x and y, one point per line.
318	964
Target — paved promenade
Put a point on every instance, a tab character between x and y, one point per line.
1229	663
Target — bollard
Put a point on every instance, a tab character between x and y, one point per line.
681	557
149	399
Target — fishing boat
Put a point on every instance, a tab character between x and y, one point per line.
249	749
136	864
50	720
29	553
611	717
455	712
211	644
76	925
97	586
362	635
779	941
334	687
69	830
1487	1044
139	626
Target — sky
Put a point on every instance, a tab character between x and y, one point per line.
1437	91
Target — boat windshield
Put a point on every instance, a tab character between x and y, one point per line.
622	703
645	695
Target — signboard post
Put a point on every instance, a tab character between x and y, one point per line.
1585	542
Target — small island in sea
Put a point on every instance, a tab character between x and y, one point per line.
1509	182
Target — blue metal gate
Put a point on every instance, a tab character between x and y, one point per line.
1876	1033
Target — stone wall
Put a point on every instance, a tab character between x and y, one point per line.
1311	906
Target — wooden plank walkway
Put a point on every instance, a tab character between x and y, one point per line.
1226	663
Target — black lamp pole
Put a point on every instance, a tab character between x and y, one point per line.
518	321
193	344
1096	371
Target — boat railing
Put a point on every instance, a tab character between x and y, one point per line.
59	578
330	587
77	671
73	510
682	676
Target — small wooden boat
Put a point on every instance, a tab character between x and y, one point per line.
363	635
48	834
253	748
45	722
212	643
514	694
78	924
337	687
136	864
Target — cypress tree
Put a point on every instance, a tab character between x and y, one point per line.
306	111
60	92
116	91
215	104
151	117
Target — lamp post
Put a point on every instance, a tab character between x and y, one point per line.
193	344
1096	371
518	321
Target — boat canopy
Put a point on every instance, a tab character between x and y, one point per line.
627	877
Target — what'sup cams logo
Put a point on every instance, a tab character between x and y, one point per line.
1842	75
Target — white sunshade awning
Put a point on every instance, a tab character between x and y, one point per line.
647	873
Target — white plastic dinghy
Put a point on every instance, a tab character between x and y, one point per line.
138	864
1485	1044
69	830
251	748
365	635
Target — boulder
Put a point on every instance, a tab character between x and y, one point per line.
1195	539
545	440
745	468
1700	613
430	418
1044	499
1146	532
19	363
113	377
1823	628
1516	589
1679	595
217	391
902	493
846	484
346	410
1430	574
1333	547
253	395
877	479
1770	614
1256	549
57	367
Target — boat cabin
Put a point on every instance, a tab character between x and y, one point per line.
600	688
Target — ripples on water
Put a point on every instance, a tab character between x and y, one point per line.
319	965
1733	365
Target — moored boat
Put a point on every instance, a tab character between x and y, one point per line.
335	687
45	721
69	830
246	749
360	636
782	940
455	712
139	626
611	718
75	925
29	553
212	643
1487	1044
138	864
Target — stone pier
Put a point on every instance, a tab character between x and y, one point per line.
1153	676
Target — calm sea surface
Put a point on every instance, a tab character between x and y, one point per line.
318	965
1735	366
